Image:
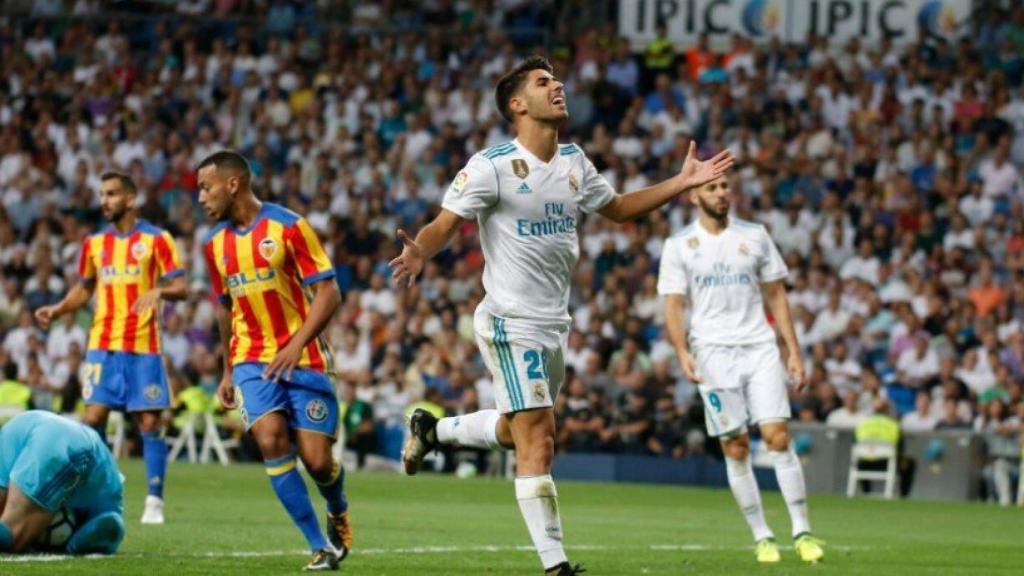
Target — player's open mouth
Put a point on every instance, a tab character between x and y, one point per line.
559	101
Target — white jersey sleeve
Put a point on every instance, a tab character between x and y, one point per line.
473	190
671	275
597	192
772	267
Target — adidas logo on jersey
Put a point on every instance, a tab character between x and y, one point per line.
523	189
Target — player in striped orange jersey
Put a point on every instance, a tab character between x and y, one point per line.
277	289
131	265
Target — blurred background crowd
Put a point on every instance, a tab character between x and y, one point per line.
889	176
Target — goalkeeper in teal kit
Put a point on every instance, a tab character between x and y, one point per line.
49	464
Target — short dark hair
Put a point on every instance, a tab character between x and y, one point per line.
228	159
123	178
513	81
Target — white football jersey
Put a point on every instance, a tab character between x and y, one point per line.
528	211
721	276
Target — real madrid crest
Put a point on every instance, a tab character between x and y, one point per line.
520	168
744	250
574	183
539	391
267	248
693	243
139	250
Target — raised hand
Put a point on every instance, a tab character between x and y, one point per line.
409	263
696	172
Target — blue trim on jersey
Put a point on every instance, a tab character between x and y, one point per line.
214	231
111	229
318	277
280	213
568	150
501	361
502	150
502	153
508	365
147	227
497	182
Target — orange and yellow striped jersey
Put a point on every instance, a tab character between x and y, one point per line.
123	267
264	272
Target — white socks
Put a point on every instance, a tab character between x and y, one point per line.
791	482
538	501
744	489
476	430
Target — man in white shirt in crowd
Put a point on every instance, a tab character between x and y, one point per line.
999	174
917	364
923	418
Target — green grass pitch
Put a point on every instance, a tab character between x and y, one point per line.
225	520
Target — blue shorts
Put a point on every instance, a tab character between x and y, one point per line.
57	462
308	399
126	381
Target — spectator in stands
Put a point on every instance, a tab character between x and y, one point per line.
582	421
360	435
919	365
923	418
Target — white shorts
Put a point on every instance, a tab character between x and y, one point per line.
742	385
527	362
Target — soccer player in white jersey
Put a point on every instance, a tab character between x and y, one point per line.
527	196
726	269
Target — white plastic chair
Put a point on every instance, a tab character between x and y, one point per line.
8	412
186	439
872	451
1020	481
213	443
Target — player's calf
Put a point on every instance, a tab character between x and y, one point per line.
329	477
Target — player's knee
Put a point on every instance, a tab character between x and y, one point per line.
736	448
149	422
273	445
319	467
94	421
778	441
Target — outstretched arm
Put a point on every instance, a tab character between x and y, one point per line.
625	207
430	240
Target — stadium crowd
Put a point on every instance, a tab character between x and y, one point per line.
890	177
